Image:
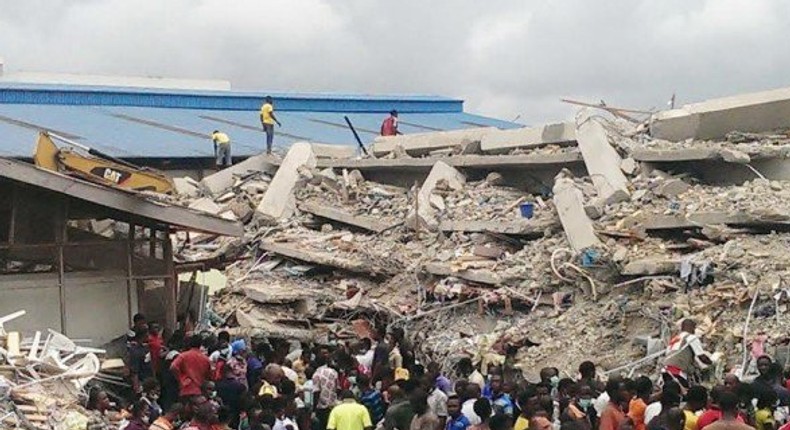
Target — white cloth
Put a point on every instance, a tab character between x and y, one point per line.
366	359
652	411
290	374
468	410
600	403
477	378
437	403
283	424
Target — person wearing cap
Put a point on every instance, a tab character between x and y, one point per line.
267	122
221	148
390	125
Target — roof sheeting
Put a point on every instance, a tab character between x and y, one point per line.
145	132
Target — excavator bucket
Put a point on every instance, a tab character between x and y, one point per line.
46	155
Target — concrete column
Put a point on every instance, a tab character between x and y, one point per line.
602	161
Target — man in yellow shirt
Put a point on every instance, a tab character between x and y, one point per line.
267	121
221	148
349	415
696	401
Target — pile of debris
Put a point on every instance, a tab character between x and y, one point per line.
43	379
470	259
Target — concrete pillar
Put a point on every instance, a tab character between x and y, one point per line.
602	161
578	227
279	202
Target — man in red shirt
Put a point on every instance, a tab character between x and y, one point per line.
714	412
613	414
192	368
155	345
390	125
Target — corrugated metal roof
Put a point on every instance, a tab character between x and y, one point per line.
137	132
156	123
78	95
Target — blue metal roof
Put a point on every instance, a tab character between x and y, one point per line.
13	93
149	123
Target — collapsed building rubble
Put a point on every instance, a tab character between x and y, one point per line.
43	378
471	251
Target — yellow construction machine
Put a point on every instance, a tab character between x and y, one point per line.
79	160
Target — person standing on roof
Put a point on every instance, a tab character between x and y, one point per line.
267	121
390	125
221	148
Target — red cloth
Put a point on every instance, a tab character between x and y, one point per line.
155	344
192	368
710	416
389	127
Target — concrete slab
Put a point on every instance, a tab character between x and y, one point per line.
528	228
330	259
218	182
441	171
419	144
207	205
602	161
578	227
364	222
278	202
711	119
701	219
459	161
504	141
651	266
186	187
480	276
325	150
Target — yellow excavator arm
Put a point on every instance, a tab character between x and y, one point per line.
90	164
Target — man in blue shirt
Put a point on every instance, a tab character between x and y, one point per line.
457	420
500	401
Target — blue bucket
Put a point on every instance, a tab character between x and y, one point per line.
527	210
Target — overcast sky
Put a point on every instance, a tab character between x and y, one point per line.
506	58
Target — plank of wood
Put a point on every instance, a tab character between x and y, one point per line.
651	266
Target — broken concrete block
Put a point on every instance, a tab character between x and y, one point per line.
224	179
734	156
602	161
712	119
504	141
325	150
491	251
578	227
441	172
278	202
672	188
628	166
595	209
494	178
205	204
186	187
418	144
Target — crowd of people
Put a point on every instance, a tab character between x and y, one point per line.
213	382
